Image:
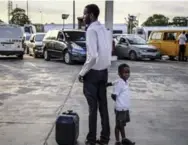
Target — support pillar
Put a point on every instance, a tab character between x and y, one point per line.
109	13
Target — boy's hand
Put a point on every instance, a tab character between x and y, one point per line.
113	97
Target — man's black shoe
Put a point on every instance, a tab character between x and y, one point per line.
118	143
99	142
89	143
127	142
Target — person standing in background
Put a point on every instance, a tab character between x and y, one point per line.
182	45
94	74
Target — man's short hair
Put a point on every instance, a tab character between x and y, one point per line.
93	9
183	32
122	66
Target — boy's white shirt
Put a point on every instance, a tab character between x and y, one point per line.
121	90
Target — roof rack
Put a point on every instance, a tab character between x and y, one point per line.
8	25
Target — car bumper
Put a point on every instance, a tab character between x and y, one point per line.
39	52
79	57
12	52
155	55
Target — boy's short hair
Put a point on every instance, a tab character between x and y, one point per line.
122	66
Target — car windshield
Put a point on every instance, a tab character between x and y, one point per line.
136	40
10	32
75	36
39	37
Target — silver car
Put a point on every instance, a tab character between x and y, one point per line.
135	48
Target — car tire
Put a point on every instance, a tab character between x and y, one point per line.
132	55
172	58
35	55
67	57
46	55
20	56
152	59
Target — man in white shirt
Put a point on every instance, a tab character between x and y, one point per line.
182	46
94	74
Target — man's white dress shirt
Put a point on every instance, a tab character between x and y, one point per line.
121	90
182	39
99	48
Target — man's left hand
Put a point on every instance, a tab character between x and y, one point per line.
80	78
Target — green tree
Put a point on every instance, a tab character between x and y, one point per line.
156	20
180	21
19	17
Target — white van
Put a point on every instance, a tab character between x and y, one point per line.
11	40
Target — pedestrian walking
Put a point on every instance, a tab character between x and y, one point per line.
182	46
121	96
94	74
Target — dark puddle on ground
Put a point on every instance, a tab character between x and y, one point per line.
5	96
1	103
24	90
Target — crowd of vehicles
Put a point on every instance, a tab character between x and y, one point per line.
69	45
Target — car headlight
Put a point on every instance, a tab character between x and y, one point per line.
78	50
143	50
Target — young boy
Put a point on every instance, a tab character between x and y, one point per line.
121	97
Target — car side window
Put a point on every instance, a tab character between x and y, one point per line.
156	36
186	36
169	36
60	36
122	40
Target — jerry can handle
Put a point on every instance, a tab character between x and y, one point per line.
70	111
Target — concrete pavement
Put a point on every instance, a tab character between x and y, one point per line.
34	91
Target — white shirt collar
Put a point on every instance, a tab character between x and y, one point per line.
94	23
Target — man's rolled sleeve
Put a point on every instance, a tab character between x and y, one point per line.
92	51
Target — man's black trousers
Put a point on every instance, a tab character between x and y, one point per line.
182	52
95	92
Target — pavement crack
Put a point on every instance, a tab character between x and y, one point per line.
59	110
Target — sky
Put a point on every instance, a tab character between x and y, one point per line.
51	10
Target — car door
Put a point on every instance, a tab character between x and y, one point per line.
169	44
52	43
60	44
122	48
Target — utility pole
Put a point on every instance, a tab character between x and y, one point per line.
41	17
27	8
74	14
9	9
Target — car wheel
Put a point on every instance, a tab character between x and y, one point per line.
20	56
171	58
46	55
67	58
152	59
132	55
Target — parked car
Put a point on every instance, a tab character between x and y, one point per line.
11	40
35	45
134	47
68	45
